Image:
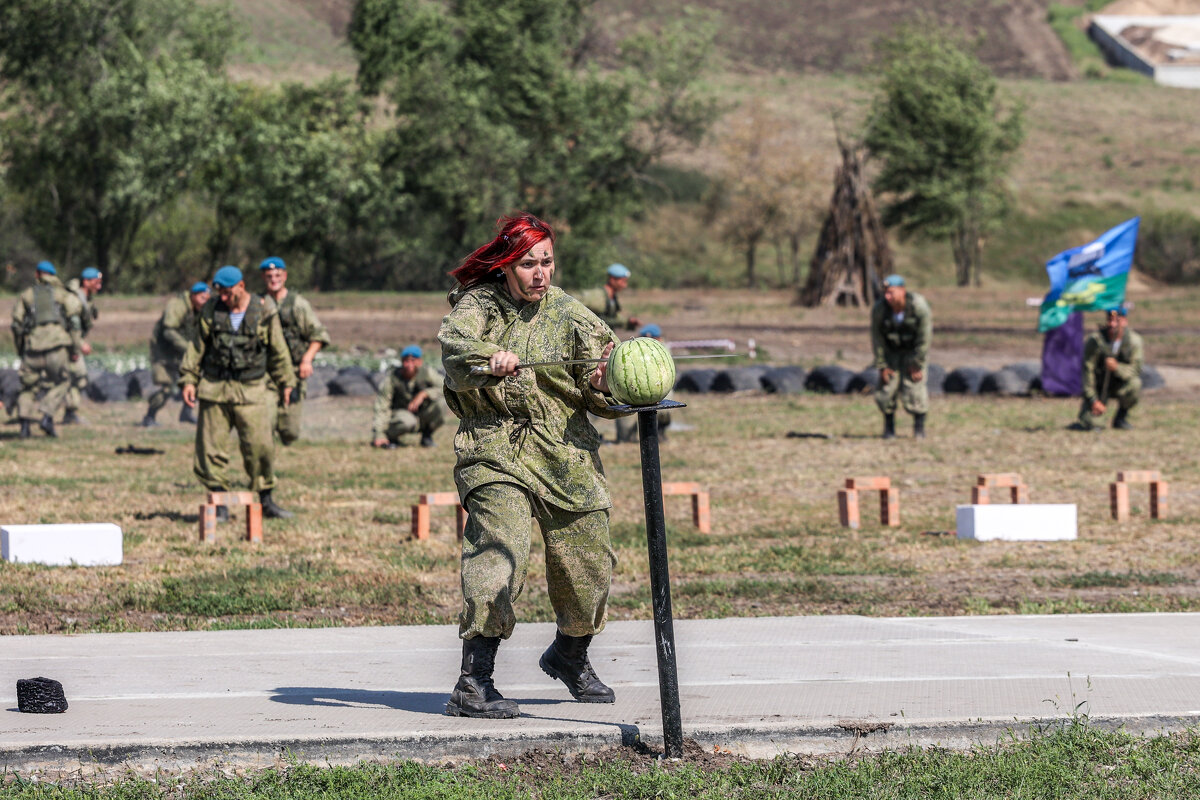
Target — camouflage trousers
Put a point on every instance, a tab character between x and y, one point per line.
78	372
914	395
1126	393
429	418
495	560
286	419
165	375
46	371
253	424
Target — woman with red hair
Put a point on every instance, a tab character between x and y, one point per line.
525	448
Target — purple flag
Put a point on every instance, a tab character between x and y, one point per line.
1062	358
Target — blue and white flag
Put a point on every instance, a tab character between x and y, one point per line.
1091	277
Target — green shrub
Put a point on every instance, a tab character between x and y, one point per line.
1169	247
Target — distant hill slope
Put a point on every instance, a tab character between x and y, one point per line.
289	39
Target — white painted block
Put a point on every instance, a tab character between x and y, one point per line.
1027	522
91	544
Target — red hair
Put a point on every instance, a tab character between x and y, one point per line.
515	236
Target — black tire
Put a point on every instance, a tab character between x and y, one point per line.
352	385
965	380
1152	378
698	381
865	382
935	381
1005	382
830	379
784	380
141	383
739	379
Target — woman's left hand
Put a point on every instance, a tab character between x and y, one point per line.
599	379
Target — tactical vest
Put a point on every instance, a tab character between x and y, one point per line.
291	328
46	308
901	335
234	355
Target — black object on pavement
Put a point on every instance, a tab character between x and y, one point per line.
40	696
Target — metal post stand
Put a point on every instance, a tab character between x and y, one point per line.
660	580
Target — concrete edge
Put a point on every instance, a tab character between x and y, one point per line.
851	736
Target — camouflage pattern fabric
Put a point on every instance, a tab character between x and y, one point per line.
495	560
43	372
302	328
392	417
606	308
902	347
77	381
78	369
530	429
1124	384
66	332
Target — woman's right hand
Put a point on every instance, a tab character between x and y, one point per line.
504	363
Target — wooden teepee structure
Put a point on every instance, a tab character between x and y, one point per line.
852	254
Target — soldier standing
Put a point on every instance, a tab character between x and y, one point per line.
605	302
173	333
305	336
1112	369
901	329
238	343
405	404
526	449
85	287
47	331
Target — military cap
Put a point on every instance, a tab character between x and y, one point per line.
1120	311
199	286
893	280
618	271
411	350
274	262
227	277
651	330
89	273
46	267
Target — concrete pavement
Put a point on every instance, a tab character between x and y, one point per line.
755	686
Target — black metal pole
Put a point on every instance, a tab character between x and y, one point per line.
660	582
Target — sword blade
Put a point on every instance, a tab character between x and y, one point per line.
485	369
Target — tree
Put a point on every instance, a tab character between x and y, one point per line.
106	107
493	111
945	141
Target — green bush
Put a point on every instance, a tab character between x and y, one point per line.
1169	247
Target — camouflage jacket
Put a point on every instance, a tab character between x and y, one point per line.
910	336
1097	348
396	393
62	323
90	312
530	429
174	330
231	390
300	326
606	308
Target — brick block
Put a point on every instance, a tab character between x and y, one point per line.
249	500
999	479
1158	499
425	501
1019	494
680	487
438	499
889	507
1138	476
1118	498
208	523
701	517
848	508
980	496
871	482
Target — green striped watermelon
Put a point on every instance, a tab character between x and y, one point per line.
640	371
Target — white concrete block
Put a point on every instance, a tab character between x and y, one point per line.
1027	522
91	544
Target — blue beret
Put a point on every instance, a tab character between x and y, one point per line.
651	330
1119	310
411	350
90	273
893	280
199	286
274	262
46	267
227	277
618	271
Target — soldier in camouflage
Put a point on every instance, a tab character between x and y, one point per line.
405	403
605	302
85	287
1112	370
305	336
238	343
525	448
901	329
173	333
47	330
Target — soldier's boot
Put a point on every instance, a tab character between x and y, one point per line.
918	426
71	417
269	509
567	660
1121	420
26	429
222	513
186	414
149	420
47	424
426	440
889	426
475	695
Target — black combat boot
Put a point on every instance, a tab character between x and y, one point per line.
47	424
475	695
567	660
918	426
149	421
889	426
426	440
26	431
269	509
1121	420
71	417
186	414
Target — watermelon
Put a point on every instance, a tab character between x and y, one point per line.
640	371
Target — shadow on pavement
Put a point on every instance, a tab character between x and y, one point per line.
416	702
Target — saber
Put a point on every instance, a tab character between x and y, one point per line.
486	369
